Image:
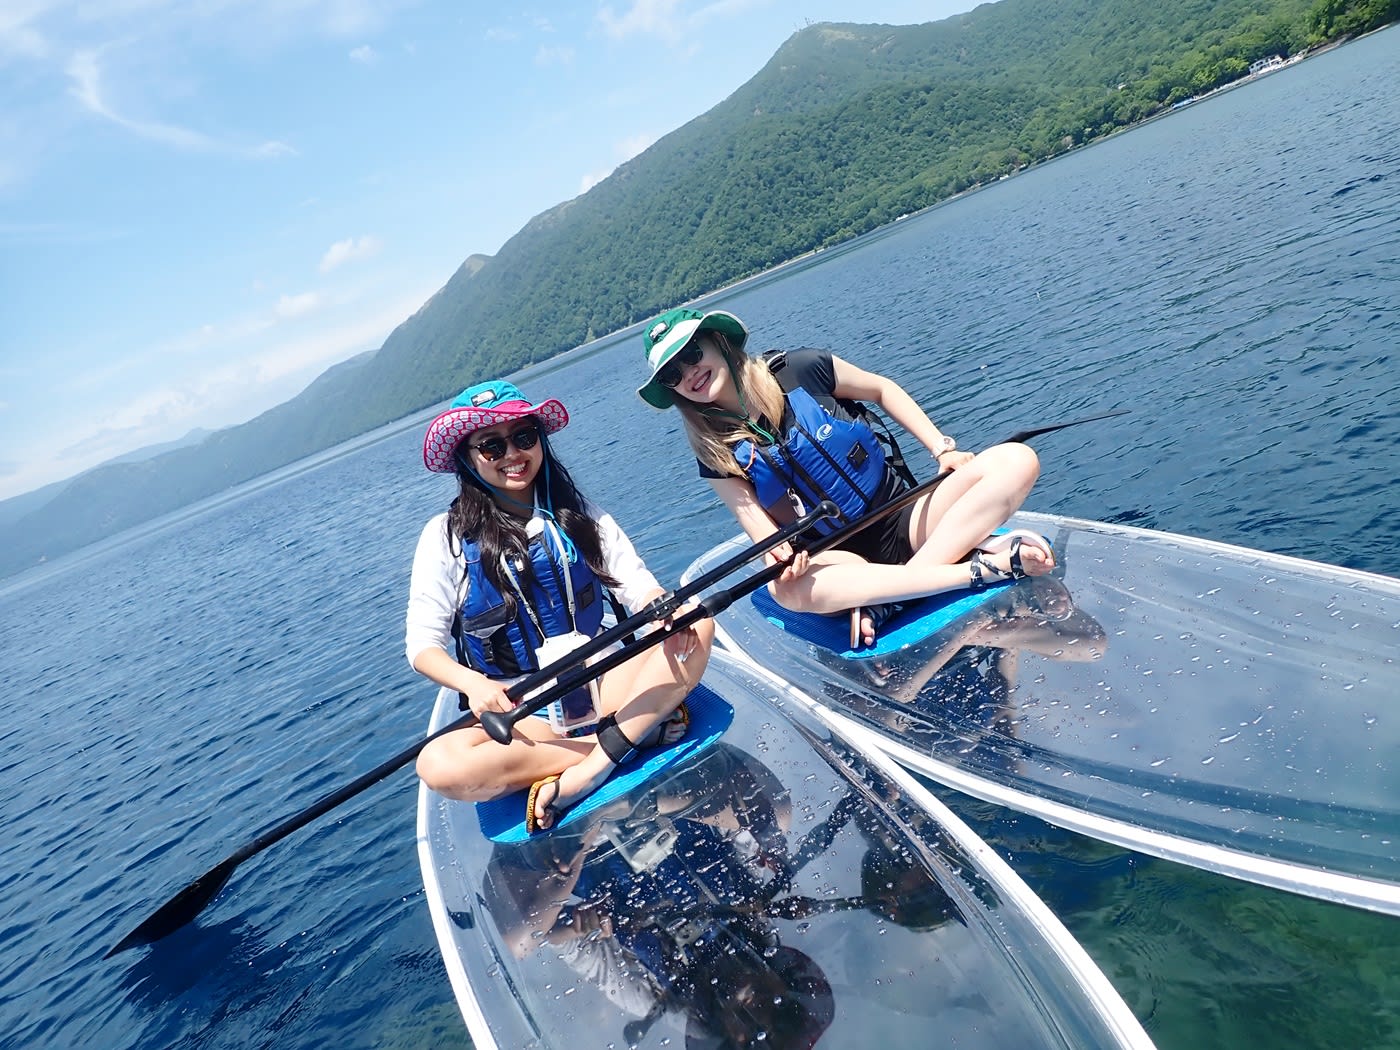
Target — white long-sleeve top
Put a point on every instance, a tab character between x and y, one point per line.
438	586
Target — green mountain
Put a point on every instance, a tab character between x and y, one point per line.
846	128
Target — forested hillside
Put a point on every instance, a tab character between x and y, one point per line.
846	128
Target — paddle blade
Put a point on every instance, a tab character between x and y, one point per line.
179	909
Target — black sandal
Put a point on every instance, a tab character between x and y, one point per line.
669	730
879	616
984	574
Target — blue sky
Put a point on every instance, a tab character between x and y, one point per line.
206	203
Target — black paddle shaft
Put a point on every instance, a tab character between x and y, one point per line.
190	901
499	724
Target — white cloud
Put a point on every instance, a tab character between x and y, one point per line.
651	17
18	37
365	55
589	179
289	306
667	19
352	249
85	71
227	387
633	145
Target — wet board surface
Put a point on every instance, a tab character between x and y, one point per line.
1219	706
781	859
503	819
913	623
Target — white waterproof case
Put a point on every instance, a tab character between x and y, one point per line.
578	707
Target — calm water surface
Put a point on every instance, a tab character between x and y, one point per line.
1229	274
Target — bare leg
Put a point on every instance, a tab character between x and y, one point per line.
638	694
975	499
946	525
468	765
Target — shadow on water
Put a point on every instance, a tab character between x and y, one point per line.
195	955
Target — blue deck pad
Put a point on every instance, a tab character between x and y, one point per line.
503	819
913	623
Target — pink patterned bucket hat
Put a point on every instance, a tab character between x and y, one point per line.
480	406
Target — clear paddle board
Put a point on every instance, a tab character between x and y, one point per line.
777	886
1213	705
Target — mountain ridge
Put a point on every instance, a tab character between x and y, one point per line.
845	128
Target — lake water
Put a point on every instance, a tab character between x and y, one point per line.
1228	273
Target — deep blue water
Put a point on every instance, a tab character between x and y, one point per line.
1228	273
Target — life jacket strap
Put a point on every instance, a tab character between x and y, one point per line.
776	360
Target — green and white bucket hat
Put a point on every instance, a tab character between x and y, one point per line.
667	336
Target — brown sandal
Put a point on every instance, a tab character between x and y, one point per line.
532	823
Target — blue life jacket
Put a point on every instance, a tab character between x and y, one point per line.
502	647
817	457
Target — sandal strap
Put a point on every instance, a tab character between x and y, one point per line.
532	823
1018	571
979	569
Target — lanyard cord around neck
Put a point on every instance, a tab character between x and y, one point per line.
549	530
742	416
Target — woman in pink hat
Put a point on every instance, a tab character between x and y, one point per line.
517	572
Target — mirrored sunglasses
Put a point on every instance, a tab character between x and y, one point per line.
670	373
494	448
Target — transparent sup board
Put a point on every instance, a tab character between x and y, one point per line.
780	882
1213	705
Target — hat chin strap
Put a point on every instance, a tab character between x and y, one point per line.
742	416
535	507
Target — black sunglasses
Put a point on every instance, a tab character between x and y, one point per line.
670	373
494	448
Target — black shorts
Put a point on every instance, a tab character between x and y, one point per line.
887	541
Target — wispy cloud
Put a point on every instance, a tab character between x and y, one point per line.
231	386
624	151
289	306
365	55
352	249
650	17
667	19
19	34
554	56
85	71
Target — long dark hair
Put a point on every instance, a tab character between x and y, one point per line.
475	516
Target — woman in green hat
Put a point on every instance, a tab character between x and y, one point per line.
514	575
774	432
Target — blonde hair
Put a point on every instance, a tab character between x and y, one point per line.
713	435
